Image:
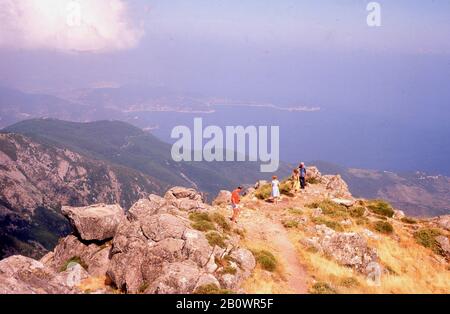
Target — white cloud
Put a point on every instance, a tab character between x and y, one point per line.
67	25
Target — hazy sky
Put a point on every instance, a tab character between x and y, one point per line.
313	53
215	45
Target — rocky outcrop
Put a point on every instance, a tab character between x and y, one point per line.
23	275
94	257
444	245
443	222
152	249
95	222
161	253
336	186
312	173
222	198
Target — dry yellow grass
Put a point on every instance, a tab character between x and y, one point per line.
416	269
262	281
408	268
93	284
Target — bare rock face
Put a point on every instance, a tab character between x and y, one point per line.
347	248
152	249
222	198
444	245
23	275
337	186
146	206
176	278
443	222
245	259
179	192
94	257
157	250
144	250
186	199
96	222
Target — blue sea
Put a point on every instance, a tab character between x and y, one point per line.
362	140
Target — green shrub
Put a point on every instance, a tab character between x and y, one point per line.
329	223
322	288
266	260
215	238
228	270
362	221
74	259
221	221
202	222
357	211
383	227
240	232
203	226
427	238
330	209
311	180
290	223
349	282
312	205
409	220
381	207
199	217
286	188
211	289
295	211
264	192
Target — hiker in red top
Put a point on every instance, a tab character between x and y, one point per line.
235	200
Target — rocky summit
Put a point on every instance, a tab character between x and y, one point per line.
318	240
151	249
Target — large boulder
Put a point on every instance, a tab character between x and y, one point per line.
244	259
186	199
176	278
95	222
347	248
222	198
179	192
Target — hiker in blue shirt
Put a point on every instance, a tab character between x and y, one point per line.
302	170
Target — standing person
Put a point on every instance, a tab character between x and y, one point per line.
295	180
275	189
302	170
235	200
